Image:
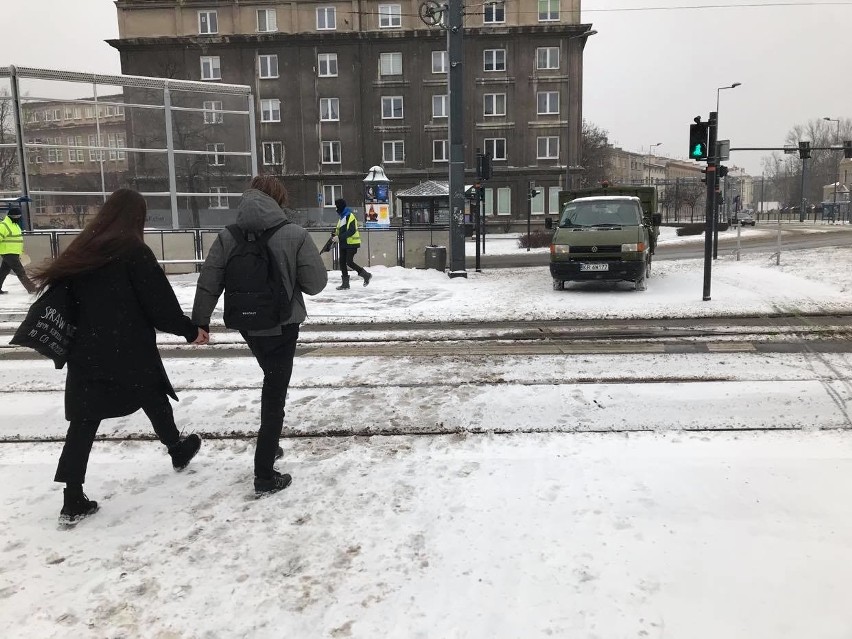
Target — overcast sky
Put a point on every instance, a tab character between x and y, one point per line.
646	72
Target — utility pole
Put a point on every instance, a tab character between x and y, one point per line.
710	205
455	52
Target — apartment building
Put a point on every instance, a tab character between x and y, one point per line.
63	156
342	86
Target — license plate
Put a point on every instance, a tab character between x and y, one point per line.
594	267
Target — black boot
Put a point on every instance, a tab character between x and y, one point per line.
184	451
345	285
367	277
272	484
76	507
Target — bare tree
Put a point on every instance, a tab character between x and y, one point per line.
691	194
596	151
8	155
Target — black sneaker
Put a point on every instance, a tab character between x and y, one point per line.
367	278
76	508
279	453
278	481
183	452
2	292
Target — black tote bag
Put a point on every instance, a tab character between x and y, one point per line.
49	325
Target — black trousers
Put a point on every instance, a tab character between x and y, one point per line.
347	259
12	263
81	435
274	354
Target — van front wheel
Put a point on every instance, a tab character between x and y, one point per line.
558	285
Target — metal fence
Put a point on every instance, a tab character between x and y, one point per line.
67	140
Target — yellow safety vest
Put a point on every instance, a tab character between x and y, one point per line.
355	238
11	240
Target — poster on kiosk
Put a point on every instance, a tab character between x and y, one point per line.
376	206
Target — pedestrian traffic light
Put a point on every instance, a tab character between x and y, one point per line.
698	140
483	166
847	149
804	150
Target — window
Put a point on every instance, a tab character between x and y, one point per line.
75	155
547	148
441	151
495	60
504	201
327	65
494	104
537	203
35	153
69	113
390	64
548	10
390	16
217	200
330	193
267	21
270	110
393	151
548	102
267	66
326	18
331	152
208	23
89	112
210	67
496	147
54	155
78	113
329	109
495	12
272	153
114	141
119	111
440	62
211	107
547	58
392	107
553	199
95	156
215	157
440	106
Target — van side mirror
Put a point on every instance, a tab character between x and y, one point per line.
548	223
656	219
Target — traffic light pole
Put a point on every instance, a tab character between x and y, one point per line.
710	205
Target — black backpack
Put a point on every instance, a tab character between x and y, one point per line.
255	297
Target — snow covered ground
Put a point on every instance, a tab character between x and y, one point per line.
511	519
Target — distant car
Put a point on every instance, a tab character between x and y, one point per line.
746	218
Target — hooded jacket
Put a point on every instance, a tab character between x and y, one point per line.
302	269
347	228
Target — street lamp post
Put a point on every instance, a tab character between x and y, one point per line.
837	176
650	155
715	153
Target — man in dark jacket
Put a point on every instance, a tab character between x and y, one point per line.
349	241
302	271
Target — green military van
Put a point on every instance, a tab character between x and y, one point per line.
605	233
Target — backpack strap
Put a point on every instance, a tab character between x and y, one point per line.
268	233
237	233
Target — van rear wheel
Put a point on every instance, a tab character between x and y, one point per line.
558	285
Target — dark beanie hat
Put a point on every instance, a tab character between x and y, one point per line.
340	203
15	212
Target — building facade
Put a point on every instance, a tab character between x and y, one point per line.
73	147
342	86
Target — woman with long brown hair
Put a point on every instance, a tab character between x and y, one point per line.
120	297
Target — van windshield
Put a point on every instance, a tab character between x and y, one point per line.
601	213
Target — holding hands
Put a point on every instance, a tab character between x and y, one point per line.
203	337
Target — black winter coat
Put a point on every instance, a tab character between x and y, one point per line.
113	362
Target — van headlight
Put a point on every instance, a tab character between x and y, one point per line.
633	248
559	249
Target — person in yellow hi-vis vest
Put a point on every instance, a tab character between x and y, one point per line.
348	241
11	248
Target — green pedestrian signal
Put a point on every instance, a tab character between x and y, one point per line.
698	141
